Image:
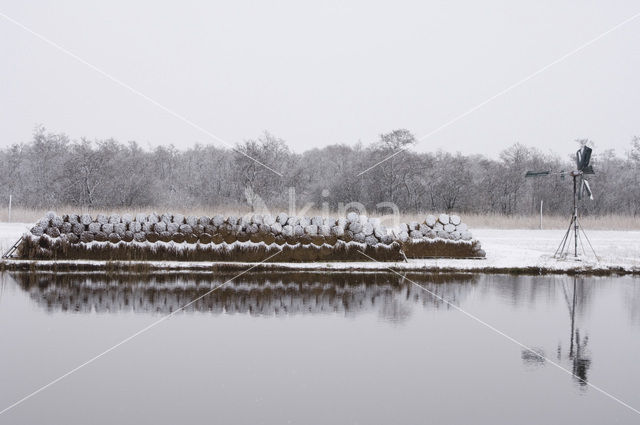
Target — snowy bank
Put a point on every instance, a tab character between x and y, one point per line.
522	251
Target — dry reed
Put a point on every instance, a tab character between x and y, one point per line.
473	220
45	248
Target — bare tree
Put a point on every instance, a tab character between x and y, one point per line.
252	159
51	171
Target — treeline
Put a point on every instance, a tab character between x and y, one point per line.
51	170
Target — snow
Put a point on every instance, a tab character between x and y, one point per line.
506	250
10	233
535	248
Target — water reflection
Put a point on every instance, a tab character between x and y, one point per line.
578	354
560	305
390	295
533	357
576	296
632	302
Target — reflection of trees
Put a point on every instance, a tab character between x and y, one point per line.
252	293
522	290
632	301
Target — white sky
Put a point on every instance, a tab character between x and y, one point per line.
320	74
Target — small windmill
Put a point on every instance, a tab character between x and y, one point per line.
581	188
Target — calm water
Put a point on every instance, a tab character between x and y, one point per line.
319	349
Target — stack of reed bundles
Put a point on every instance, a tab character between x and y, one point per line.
255	237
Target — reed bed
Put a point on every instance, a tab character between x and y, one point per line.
474	220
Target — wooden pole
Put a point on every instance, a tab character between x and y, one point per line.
541	202
9	208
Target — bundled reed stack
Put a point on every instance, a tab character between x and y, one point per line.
445	236
250	238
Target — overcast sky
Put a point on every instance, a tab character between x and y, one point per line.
317	73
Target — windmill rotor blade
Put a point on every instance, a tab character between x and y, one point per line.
578	158
588	170
585	182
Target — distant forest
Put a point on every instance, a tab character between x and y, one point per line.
52	171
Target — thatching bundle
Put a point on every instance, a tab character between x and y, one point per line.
445	236
246	238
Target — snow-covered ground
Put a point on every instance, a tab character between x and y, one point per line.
10	233
535	248
506	250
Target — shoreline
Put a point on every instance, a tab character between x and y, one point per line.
564	267
508	251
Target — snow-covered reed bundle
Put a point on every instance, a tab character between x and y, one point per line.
445	236
250	238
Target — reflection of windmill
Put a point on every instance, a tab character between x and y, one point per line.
581	187
580	362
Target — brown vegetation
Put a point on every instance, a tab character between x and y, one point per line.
438	248
474	221
45	248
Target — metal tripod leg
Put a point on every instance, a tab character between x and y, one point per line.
589	242
564	240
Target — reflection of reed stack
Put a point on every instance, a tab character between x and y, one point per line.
249	238
255	294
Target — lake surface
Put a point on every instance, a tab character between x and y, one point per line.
319	349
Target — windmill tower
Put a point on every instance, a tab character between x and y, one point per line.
581	188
